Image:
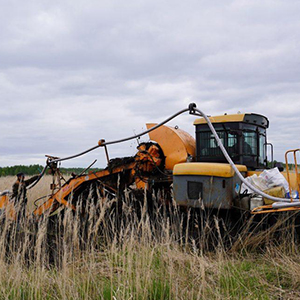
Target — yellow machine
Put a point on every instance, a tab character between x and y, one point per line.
210	181
7	206
195	172
151	168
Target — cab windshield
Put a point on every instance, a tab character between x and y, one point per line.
244	143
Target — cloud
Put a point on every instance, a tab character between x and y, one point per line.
74	72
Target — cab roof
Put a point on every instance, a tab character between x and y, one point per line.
248	118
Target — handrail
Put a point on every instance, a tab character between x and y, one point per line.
294	151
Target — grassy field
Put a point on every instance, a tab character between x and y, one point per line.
42	189
142	259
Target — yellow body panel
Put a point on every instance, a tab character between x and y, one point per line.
222	119
3	201
293	179
224	170
8	206
207	169
250	173
277	191
61	195
176	144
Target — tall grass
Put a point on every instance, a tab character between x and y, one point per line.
97	253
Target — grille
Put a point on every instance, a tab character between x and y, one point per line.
194	190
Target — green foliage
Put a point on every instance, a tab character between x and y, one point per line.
77	170
292	166
14	170
108	290
238	281
273	164
36	169
160	290
251	279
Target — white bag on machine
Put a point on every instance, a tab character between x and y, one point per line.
256	181
266	180
274	178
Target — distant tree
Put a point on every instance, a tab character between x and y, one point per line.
14	170
36	169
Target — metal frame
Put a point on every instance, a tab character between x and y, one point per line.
269	208
294	151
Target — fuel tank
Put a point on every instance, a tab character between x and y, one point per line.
178	146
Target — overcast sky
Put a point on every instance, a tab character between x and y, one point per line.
74	72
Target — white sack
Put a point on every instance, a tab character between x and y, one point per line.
274	178
256	181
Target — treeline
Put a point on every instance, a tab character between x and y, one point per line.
277	163
77	170
14	170
292	167
36	169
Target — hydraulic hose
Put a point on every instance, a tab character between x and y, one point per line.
38	179
49	161
121	140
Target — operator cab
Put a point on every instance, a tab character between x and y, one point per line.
243	135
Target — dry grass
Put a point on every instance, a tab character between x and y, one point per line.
42	189
143	259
